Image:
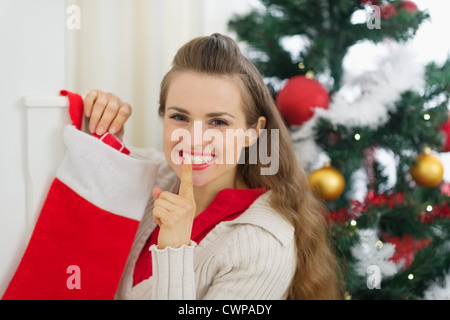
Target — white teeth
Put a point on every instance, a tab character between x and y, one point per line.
197	159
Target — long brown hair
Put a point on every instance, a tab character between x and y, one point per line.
316	275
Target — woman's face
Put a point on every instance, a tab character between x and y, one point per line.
203	124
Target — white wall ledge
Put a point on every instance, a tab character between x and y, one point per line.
45	101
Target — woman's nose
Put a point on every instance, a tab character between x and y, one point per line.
196	133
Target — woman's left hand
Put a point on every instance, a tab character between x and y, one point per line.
106	112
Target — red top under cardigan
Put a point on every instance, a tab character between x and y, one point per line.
227	205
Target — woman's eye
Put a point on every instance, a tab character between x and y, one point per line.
219	123
178	117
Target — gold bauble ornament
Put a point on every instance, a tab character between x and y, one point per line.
327	182
428	170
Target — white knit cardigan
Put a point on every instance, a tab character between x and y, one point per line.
250	257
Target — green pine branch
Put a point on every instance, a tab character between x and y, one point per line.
325	24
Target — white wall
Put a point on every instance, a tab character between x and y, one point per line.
122	46
32	63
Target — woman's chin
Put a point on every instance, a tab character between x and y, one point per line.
201	178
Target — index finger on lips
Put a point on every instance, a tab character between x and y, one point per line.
187	185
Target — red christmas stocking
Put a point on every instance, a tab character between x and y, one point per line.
87	224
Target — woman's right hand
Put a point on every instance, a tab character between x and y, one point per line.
106	112
174	213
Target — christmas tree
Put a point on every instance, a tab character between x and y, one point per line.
370	141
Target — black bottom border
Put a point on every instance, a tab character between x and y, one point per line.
208	309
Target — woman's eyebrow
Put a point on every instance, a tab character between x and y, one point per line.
179	109
209	115
219	114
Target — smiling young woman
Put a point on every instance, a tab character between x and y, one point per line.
228	232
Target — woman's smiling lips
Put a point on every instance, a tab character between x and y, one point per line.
199	160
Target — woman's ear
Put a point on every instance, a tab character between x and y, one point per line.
260	124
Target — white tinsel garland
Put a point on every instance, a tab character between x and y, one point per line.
378	91
438	291
370	251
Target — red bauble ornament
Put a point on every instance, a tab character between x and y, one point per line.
388	11
408	5
299	97
371	2
446	130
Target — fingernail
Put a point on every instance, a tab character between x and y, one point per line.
112	130
99	131
92	129
87	113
